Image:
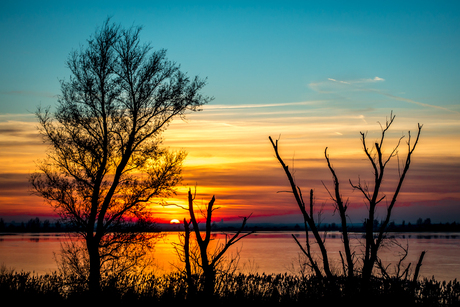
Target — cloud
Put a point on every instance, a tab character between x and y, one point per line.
410	101
30	93
268	105
369	80
334	80
363	118
323	86
12	131
21	117
358	86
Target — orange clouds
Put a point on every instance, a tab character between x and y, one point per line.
230	156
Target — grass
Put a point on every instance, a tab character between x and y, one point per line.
231	290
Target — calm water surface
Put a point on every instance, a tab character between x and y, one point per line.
269	252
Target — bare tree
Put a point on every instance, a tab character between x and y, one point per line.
308	218
106	162
206	259
373	198
341	207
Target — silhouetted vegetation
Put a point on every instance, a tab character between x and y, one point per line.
200	259
375	233
231	290
106	161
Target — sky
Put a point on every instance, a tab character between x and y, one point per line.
311	74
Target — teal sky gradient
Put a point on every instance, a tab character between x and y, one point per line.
251	51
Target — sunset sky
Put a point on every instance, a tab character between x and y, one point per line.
312	74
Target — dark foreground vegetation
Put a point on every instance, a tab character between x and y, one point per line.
231	290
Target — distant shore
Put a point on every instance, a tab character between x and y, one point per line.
37	226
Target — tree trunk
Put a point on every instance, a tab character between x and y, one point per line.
209	281
94	281
188	268
417	268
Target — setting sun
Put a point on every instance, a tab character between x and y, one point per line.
174	221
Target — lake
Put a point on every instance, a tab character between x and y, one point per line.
269	252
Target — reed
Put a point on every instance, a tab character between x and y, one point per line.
231	290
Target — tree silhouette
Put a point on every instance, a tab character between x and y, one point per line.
309	221
375	196
106	162
206	259
374	234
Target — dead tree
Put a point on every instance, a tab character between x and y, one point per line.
373	241
207	260
375	197
188	267
341	207
308	218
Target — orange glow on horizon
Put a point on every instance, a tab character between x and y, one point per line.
236	162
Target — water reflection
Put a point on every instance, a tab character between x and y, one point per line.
269	252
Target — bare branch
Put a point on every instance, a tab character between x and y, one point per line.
308	218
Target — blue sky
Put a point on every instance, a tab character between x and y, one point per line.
251	51
315	72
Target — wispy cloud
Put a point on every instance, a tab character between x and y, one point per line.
359	86
334	80
324	87
370	80
29	93
411	101
267	105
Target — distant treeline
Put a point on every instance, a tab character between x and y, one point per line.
36	225
420	226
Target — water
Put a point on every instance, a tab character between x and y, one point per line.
269	252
